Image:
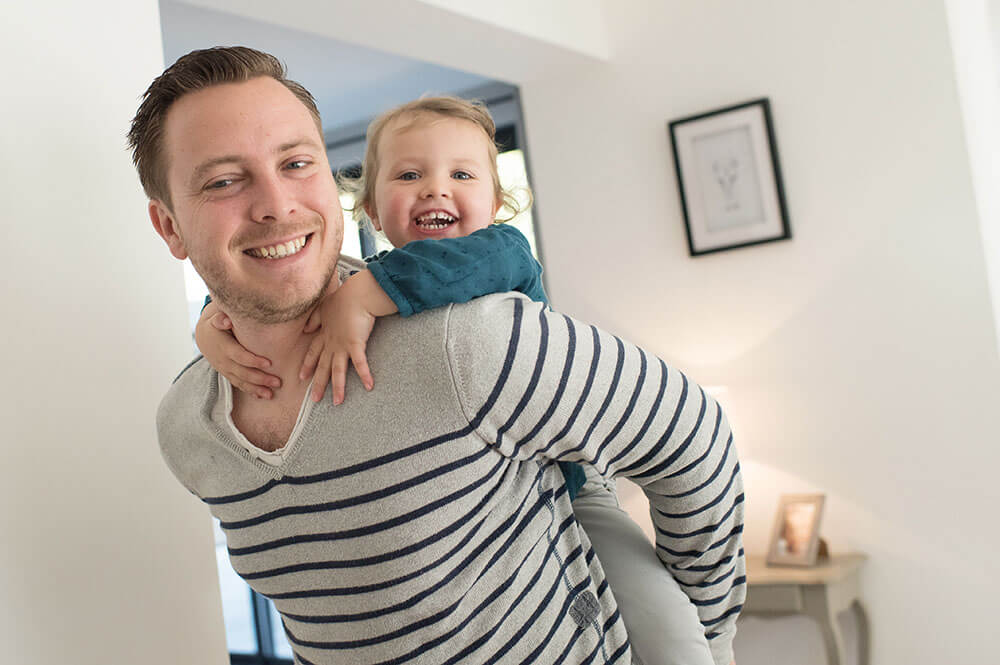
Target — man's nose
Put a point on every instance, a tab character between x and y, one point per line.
272	201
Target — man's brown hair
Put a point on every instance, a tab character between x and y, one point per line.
196	71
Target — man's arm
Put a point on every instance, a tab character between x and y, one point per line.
538	383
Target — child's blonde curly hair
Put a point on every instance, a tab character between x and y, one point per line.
406	116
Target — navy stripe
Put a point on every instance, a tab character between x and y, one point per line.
732	611
626	415
612	389
368	465
560	388
705	585
395	554
508	363
738	529
584	394
535	376
708	568
544	605
448	577
517	601
371	529
661	445
708	451
739	581
707	529
708	481
370	497
711	504
478	610
653	411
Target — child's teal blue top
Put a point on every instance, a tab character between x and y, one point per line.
425	274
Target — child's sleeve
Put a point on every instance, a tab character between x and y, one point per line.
425	274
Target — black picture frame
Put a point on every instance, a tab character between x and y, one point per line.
729	178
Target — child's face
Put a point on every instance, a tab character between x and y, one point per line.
434	181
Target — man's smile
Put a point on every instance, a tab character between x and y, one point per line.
280	250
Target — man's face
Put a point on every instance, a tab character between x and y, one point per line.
255	205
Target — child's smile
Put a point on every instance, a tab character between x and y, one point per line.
434	180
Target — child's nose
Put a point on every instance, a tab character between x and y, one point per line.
437	186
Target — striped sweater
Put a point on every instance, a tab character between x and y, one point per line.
425	521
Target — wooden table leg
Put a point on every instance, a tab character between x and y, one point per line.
817	604
864	634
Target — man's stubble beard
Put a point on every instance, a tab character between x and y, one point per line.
259	307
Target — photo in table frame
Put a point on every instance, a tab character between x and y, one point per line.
729	178
795	536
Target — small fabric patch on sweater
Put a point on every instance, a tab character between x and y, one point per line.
584	609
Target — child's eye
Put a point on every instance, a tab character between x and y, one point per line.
297	164
409	175
461	175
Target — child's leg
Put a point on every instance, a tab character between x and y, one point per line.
662	624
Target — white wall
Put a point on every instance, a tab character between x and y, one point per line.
105	559
860	356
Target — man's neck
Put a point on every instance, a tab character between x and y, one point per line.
284	344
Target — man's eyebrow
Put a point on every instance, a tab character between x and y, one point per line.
307	142
210	164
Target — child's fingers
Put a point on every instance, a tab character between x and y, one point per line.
313	324
312	357
253	377
360	361
339	376
321	378
243	357
250	381
220	321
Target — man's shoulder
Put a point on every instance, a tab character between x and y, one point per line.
186	397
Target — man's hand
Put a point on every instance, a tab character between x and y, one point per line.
243	369
346	318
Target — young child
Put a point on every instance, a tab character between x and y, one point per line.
429	183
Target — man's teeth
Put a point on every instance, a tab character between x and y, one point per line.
279	251
435	220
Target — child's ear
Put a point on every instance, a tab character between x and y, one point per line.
165	224
372	215
497	205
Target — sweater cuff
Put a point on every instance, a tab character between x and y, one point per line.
383	279
721	647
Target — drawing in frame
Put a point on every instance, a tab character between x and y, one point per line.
795	536
729	178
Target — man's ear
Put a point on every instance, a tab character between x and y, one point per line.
372	215
166	226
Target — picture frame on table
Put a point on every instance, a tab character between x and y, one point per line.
795	537
729	178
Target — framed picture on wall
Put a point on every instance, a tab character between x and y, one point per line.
795	536
729	178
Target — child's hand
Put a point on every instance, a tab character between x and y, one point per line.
225	354
347	317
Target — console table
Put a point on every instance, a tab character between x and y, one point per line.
821	591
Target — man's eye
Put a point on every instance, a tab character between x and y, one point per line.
221	183
461	175
409	175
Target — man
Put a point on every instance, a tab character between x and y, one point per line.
425	521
